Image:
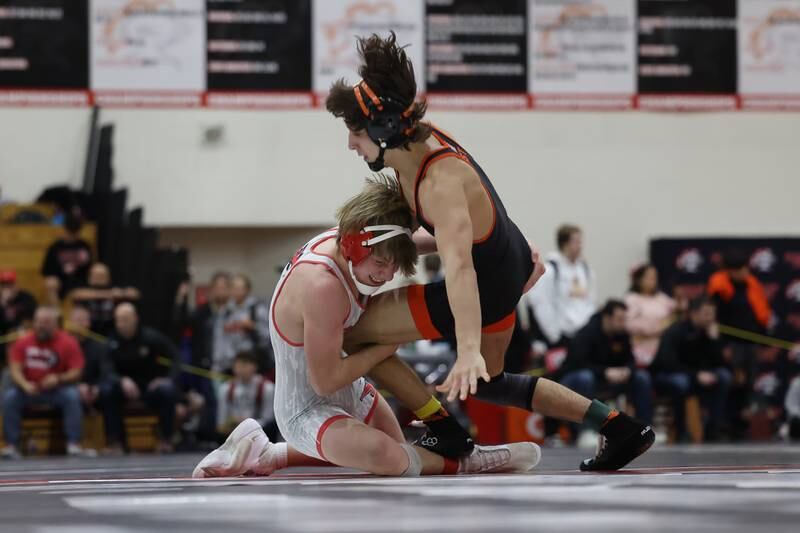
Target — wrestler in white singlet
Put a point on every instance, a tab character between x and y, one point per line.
302	414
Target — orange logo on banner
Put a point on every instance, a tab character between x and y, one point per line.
340	41
757	43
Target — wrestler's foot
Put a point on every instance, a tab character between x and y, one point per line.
622	439
272	458
238	454
446	437
514	457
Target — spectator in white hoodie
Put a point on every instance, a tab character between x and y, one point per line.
565	297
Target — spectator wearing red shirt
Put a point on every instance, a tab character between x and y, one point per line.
45	366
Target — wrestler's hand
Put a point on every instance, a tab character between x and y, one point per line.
538	268
463	377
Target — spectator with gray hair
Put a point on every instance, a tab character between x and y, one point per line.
247	324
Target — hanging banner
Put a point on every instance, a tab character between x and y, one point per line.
145	53
259	53
769	54
582	53
476	47
337	23
44	71
687	55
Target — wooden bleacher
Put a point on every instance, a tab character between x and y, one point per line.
42	432
23	247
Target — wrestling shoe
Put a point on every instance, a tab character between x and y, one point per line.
446	437
514	457
238	454
622	439
272	457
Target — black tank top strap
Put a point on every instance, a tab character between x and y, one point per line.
428	160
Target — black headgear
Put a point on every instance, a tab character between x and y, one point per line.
388	120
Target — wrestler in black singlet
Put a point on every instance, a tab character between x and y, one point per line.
502	260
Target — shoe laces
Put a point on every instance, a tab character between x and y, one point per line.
602	447
482	459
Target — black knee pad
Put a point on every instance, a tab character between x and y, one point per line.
515	390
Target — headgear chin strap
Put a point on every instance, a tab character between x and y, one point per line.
357	247
388	121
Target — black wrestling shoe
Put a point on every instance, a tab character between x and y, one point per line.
447	438
622	439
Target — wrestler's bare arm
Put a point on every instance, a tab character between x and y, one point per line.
444	203
324	309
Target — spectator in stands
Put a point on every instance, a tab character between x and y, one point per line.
209	342
600	361
433	268
564	298
148	366
690	361
740	298
741	303
45	366
211	347
66	263
100	298
98	372
247	395
16	305
650	312
247	323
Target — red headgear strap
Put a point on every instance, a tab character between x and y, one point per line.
357	246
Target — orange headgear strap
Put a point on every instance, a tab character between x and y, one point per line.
362	86
409	110
372	95
361	101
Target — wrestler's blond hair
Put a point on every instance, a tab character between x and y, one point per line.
381	202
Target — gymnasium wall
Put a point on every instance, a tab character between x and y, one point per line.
273	177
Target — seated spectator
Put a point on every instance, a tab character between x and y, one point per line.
66	263
247	395
600	360
741	303
45	366
564	298
690	361
100	298
98	372
16	306
247	324
137	352
649	313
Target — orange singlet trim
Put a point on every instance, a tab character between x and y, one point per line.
456	153
419	312
501	325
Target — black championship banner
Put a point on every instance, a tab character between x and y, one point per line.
259	46
473	48
687	54
44	49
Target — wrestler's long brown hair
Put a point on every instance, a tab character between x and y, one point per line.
381	202
389	73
